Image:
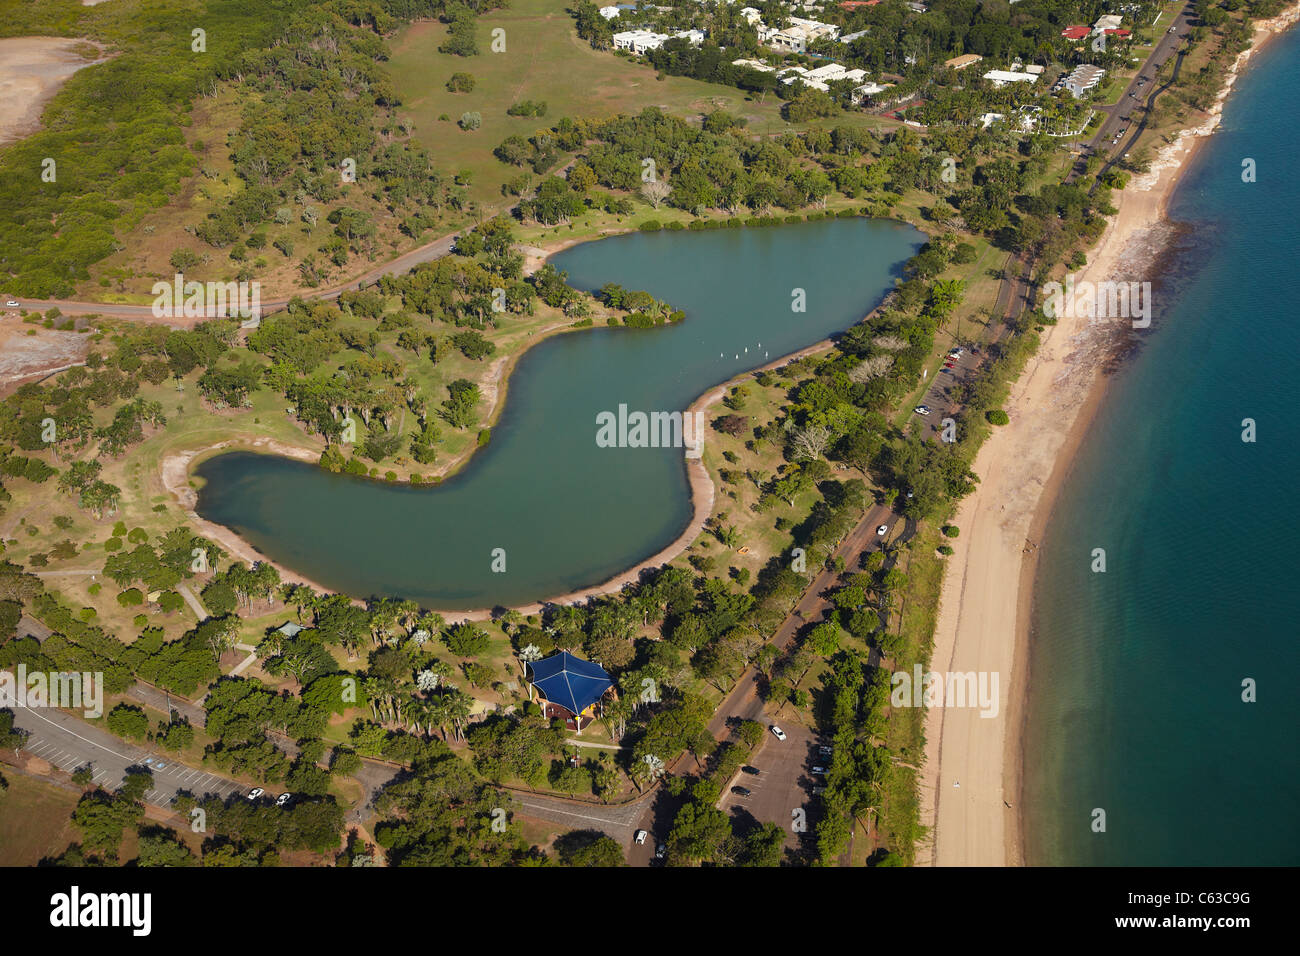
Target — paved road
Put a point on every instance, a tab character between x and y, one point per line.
69	743
1119	118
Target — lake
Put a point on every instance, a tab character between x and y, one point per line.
567	513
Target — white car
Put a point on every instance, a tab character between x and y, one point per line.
777	732
640	837
283	799
922	409
255	793
12	304
883	530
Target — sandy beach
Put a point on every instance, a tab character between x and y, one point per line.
971	784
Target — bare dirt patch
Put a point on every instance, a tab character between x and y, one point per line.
31	71
25	357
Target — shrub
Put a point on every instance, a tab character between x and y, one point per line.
951	530
470	121
461	83
997	417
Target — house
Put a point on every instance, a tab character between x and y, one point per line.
797	37
815	84
754	65
1110	21
752	16
639	41
1001	78
569	688
609	13
920	7
1035	69
988	119
1119	33
963	61
855	4
831	71
850	37
693	37
1082	79
1075	32
866	91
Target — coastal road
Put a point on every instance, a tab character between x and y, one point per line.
1119	117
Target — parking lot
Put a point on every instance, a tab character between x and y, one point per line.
783	784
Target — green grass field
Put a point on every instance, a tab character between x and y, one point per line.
35	820
544	59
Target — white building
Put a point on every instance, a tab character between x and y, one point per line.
831	71
694	37
860	93
609	13
1084	78
1110	21
1003	77
798	35
850	37
754	65
639	41
752	16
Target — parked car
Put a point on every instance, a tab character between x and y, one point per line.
883	530
826	749
12	304
817	790
819	771
741	791
752	771
640	837
777	732
922	409
255	793
283	799
661	851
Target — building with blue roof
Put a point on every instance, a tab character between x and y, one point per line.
570	688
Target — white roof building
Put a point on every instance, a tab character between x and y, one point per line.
1110	21
752	15
831	71
694	37
754	65
868	89
850	37
1003	77
609	13
639	41
798	35
1084	78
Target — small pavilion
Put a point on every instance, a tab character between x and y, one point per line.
570	688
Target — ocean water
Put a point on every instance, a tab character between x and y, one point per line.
1137	674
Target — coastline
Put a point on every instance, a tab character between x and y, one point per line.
987	597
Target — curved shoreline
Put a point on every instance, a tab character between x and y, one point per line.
986	607
176	469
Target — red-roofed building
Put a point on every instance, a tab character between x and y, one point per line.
854	4
1075	33
1120	32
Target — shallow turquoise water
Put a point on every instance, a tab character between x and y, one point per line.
1135	703
567	513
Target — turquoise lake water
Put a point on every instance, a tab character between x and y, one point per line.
566	513
1135	703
